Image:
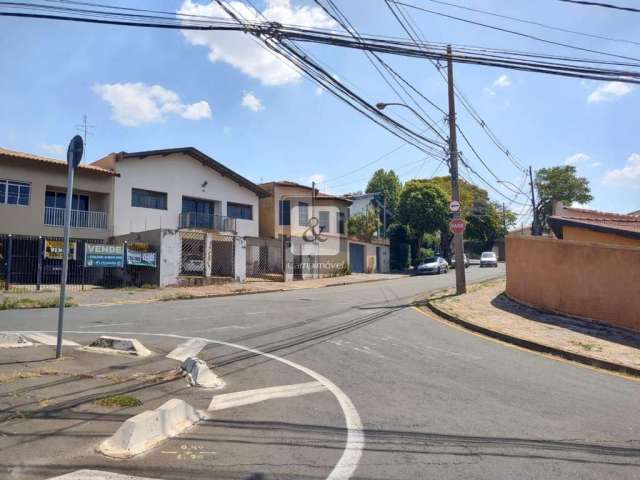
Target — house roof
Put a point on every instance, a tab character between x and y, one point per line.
635	214
206	160
625	225
287	183
14	155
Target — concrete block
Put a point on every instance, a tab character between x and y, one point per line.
13	340
148	429
199	374
129	346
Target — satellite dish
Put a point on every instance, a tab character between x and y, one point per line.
75	150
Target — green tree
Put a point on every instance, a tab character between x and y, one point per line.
400	257
364	224
557	184
389	185
423	208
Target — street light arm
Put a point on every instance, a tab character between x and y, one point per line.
382	106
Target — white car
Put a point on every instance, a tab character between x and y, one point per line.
433	265
488	259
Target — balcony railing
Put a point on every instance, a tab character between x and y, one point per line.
207	221
79	218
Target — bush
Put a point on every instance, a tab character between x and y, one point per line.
422	255
399	248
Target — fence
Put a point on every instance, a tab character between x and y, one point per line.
588	280
265	259
35	263
207	255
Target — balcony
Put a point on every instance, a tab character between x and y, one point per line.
54	217
207	222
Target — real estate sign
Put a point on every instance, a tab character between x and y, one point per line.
141	259
54	249
99	255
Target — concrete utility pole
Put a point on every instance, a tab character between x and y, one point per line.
534	221
458	244
504	218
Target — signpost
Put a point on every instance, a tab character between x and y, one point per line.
457	226
74	156
454	206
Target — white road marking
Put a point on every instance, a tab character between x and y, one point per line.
350	458
247	397
97	475
49	339
255	313
103	325
190	348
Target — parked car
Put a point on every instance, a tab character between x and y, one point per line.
466	261
433	265
192	264
488	259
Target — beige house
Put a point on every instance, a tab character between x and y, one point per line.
32	197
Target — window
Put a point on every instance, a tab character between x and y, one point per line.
14	193
238	210
341	222
324	221
303	214
58	199
148	199
285	212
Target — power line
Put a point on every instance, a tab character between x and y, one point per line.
605	5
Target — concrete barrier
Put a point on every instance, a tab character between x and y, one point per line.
199	374
148	429
129	346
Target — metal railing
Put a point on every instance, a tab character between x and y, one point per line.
79	218
207	221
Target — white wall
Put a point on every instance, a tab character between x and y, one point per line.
177	175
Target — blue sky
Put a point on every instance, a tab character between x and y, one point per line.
149	89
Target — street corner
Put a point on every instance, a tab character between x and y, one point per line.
123	414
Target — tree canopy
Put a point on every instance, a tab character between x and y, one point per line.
388	185
423	208
364	224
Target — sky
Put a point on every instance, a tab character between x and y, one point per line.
224	94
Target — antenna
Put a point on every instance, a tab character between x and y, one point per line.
84	129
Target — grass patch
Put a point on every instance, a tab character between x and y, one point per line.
22	303
177	296
119	401
589	347
24	374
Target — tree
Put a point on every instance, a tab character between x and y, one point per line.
364	224
422	206
399	247
557	184
388	185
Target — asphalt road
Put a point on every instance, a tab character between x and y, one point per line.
435	401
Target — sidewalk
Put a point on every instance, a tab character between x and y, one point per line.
97	297
486	309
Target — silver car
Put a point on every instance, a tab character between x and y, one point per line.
488	259
433	265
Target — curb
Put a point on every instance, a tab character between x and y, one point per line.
537	347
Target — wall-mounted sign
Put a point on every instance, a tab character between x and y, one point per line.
141	259
54	249
99	255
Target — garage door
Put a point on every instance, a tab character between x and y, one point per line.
356	258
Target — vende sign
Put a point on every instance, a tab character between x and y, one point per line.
457	226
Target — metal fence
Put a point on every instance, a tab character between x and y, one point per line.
265	259
192	253
32	263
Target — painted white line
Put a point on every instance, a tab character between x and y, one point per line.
49	339
247	397
350	458
97	475
190	348
254	313
103	325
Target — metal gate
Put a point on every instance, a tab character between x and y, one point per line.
192	253
356	258
222	255
265	259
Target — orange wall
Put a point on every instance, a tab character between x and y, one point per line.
589	280
585	235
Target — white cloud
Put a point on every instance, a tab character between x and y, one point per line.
488	91
627	176
240	50
320	180
253	103
596	164
609	91
577	158
502	81
134	104
53	150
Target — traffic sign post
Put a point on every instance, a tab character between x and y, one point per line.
74	156
457	226
454	206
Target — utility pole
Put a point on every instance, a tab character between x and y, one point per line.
458	244
534	221
504	218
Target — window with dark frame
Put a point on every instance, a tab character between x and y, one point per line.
148	199
15	193
303	214
58	200
239	210
341	222
285	212
324	221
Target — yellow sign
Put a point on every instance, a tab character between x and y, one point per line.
54	249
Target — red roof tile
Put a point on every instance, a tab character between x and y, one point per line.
12	154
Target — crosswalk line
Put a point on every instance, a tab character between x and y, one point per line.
49	339
190	348
247	397
97	475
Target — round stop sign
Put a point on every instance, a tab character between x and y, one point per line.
457	226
